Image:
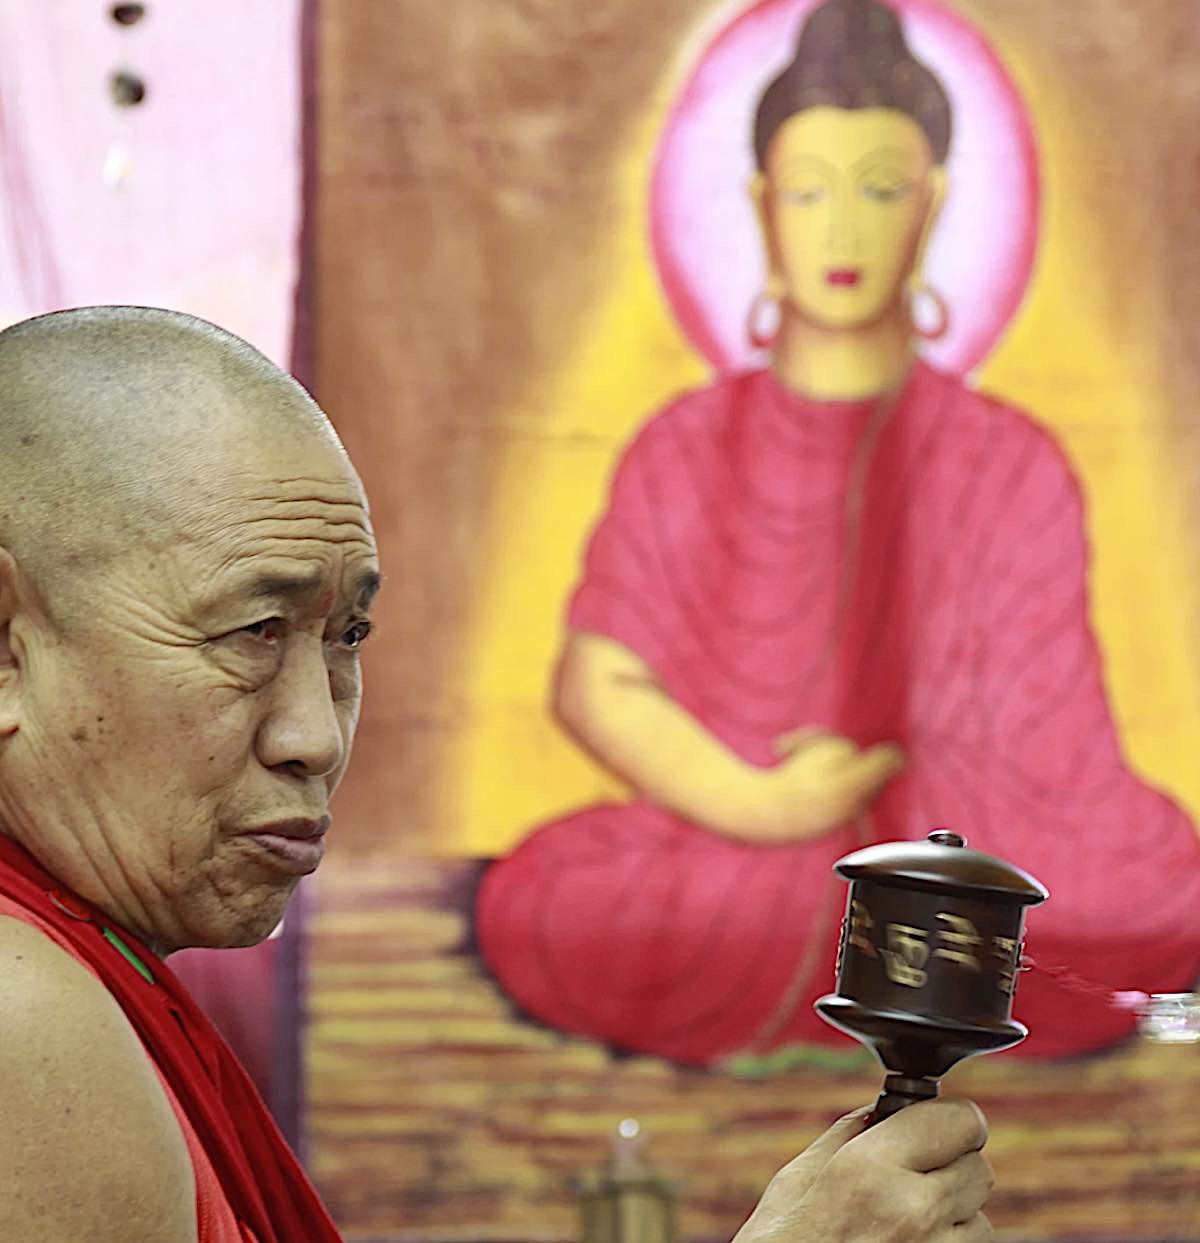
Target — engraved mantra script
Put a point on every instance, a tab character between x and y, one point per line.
907	949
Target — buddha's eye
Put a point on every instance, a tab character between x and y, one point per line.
887	191
803	196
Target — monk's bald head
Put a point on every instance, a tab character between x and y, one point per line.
111	419
186	568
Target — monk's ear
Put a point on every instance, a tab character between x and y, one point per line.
10	663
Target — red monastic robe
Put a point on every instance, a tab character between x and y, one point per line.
249	1186
951	529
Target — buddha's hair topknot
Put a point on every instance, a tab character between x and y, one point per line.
853	54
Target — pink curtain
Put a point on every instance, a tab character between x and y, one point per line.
190	199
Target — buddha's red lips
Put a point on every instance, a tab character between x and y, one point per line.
843	276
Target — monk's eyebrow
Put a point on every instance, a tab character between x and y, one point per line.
282	586
305	587
365	588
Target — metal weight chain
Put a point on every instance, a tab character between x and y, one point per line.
1167	1018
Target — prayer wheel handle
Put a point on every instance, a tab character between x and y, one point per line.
927	965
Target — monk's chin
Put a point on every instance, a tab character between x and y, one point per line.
231	929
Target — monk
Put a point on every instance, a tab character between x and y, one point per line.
837	600
186	569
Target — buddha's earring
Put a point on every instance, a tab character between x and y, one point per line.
764	320
941	325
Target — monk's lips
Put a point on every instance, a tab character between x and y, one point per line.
298	855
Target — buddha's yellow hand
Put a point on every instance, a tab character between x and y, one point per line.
824	781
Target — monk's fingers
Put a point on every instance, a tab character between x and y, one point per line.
795	1179
842	1131
963	1186
927	1136
977	1230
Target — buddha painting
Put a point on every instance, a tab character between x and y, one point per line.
835	598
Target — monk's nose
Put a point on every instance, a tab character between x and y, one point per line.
301	730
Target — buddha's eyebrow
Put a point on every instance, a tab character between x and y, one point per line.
805	163
896	155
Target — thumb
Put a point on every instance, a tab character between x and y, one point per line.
792	1183
795	739
871	769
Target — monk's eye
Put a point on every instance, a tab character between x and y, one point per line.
356	636
267	630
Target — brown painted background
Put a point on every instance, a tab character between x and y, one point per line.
464	184
432	1115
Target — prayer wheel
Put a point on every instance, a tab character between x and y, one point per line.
927	966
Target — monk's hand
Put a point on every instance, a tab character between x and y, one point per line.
824	781
787	1190
917	1177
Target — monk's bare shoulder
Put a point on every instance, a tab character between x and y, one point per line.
89	1146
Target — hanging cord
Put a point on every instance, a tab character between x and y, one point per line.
1072	982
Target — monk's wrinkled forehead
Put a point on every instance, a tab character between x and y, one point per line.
266	498
253	454
288	532
130	380
121	424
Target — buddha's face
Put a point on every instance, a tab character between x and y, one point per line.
846	201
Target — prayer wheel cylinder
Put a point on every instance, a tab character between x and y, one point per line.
927	965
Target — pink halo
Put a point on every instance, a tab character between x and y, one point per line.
703	231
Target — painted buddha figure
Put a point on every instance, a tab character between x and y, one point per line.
839	599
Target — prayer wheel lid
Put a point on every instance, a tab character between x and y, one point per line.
942	864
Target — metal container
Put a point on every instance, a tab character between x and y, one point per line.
626	1200
927	966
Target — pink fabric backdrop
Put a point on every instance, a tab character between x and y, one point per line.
191	200
207	216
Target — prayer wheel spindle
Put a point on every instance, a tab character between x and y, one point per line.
927	966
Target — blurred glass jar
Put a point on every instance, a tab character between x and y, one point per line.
1170	1018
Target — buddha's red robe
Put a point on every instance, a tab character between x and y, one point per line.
951	527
